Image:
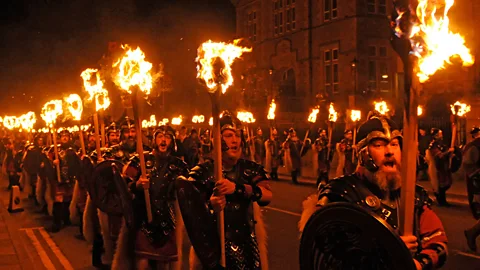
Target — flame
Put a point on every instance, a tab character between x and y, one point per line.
419	110
95	91
271	110
10	122
150	123
208	52
355	115
75	106
246	117
210	121
332	114
51	110
133	70
432	41
27	120
462	108
177	120
381	107
1	119
198	119
312	118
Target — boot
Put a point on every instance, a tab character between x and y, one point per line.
66	214
294	177
97	251
443	198
80	228
57	217
471	235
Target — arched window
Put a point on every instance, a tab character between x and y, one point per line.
288	87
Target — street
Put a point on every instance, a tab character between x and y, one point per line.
28	245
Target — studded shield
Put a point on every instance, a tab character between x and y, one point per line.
108	190
473	191
346	236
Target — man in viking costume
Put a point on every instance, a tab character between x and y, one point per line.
240	193
354	219
259	147
62	189
206	145
273	154
345	153
293	157
438	157
156	244
471	164
321	158
31	166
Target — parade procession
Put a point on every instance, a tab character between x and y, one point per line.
120	167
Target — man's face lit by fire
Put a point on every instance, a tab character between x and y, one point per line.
40	141
233	140
163	141
259	132
132	134
388	158
439	135
323	133
64	138
113	138
91	141
348	135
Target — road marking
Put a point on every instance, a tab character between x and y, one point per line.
283	211
466	254
32	228
63	260
40	251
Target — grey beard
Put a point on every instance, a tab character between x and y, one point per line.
387	181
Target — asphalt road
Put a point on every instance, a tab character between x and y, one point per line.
35	248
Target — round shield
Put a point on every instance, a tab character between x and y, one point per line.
473	191
456	161
31	162
109	192
73	163
87	171
345	236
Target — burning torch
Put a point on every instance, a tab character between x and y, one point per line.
332	118
134	77
458	110
381	107
214	62
50	111
75	107
271	115
312	118
247	118
424	41
355	115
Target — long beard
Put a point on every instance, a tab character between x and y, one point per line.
388	182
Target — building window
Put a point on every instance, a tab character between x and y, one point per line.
284	16
383	51
330	10
372	75
377	6
252	25
384	77
331	71
378	75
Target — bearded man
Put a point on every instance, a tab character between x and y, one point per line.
374	191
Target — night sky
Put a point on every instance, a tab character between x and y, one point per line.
46	44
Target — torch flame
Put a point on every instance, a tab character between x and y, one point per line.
133	70
150	123
27	120
381	107
432	41
312	118
210	121
177	120
419	110
75	106
95	91
355	115
208	52
271	110
462	108
198	119
10	122
332	114
246	117
51	110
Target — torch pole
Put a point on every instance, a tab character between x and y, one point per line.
305	139
354	139
102	127
82	142
330	130
97	136
143	168
55	151
217	155
454	136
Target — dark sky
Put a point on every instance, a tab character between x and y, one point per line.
47	43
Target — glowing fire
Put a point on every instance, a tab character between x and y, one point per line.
95	91
208	53
381	107
27	120
11	122
271	110
150	123
164	122
51	110
198	119
332	114
246	117
312	117
460	109
355	115
419	110
433	42
177	120
75	106
210	121
133	70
